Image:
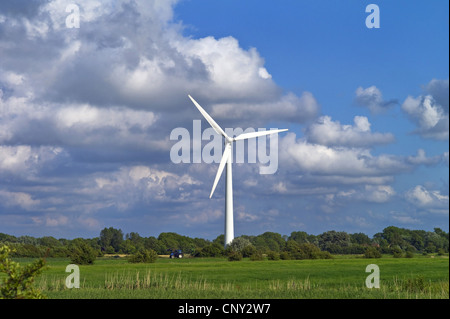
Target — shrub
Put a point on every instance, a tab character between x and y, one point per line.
18	284
212	250
81	253
326	255
295	250
309	251
257	255
143	256
372	252
284	255
273	255
234	256
397	252
248	250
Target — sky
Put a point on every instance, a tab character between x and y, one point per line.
91	91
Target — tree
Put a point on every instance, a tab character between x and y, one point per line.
127	247
172	240
49	241
360	239
153	243
272	241
239	243
133	242
441	233
81	253
334	242
18	284
299	236
394	235
111	237
220	240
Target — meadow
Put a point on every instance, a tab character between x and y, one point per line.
342	277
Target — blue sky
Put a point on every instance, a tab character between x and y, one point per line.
86	114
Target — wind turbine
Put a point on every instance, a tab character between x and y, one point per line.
226	158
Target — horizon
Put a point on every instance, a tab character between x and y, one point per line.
212	239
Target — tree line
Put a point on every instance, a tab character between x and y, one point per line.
298	245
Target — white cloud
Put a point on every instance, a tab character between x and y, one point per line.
428	113
288	108
372	98
439	90
233	73
200	217
367	193
26	161
20	199
247	217
358	221
129	186
379	193
421	158
428	199
332	133
340	161
404	218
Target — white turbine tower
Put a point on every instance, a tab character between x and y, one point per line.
226	158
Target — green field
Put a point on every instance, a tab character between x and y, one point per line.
341	277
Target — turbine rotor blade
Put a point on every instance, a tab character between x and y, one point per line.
210	120
223	161
256	134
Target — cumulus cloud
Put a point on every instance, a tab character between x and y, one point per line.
341	161
85	116
106	82
129	186
107	61
439	90
404	218
316	168
421	158
332	133
430	111
372	98
288	108
432	200
18	199
25	161
367	193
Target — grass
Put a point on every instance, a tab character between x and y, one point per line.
211	278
